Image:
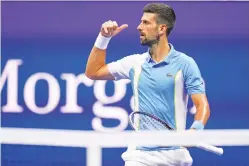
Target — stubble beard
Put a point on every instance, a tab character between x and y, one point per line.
151	42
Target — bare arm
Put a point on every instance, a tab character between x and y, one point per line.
96	67
201	103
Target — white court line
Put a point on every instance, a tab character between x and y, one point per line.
95	141
76	138
128	0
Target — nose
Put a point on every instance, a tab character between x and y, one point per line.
139	27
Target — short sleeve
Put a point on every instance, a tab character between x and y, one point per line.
193	80
120	69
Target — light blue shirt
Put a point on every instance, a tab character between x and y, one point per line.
161	89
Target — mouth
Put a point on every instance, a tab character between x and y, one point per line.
142	35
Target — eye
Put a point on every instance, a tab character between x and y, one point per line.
145	22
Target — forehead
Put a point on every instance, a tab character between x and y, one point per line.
149	17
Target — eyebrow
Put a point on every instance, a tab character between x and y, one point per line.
145	20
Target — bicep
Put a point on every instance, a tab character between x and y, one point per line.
203	111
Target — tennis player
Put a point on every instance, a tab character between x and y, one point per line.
162	79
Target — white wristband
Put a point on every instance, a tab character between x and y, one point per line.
102	42
198	125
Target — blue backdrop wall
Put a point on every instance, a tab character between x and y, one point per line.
45	46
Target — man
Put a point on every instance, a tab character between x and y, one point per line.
161	78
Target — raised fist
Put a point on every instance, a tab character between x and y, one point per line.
111	28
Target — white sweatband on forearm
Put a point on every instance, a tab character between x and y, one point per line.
198	125
102	42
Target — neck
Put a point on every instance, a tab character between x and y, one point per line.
160	50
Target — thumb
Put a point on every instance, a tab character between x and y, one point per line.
119	29
122	27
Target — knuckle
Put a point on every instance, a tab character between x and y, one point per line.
104	25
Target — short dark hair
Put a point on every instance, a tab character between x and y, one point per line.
166	14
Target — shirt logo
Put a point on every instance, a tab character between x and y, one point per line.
169	75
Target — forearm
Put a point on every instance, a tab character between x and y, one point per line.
96	67
96	60
97	57
202	114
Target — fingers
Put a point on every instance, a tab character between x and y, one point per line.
111	28
115	25
104	27
108	28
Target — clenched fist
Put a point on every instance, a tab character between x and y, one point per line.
111	28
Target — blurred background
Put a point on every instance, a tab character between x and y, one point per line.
44	50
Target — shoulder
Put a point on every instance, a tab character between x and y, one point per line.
185	59
187	63
189	66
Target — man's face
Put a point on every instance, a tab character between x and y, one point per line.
148	29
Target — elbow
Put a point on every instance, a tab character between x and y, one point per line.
91	76
89	73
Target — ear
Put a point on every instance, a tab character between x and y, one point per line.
162	29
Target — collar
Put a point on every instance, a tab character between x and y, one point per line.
167	59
